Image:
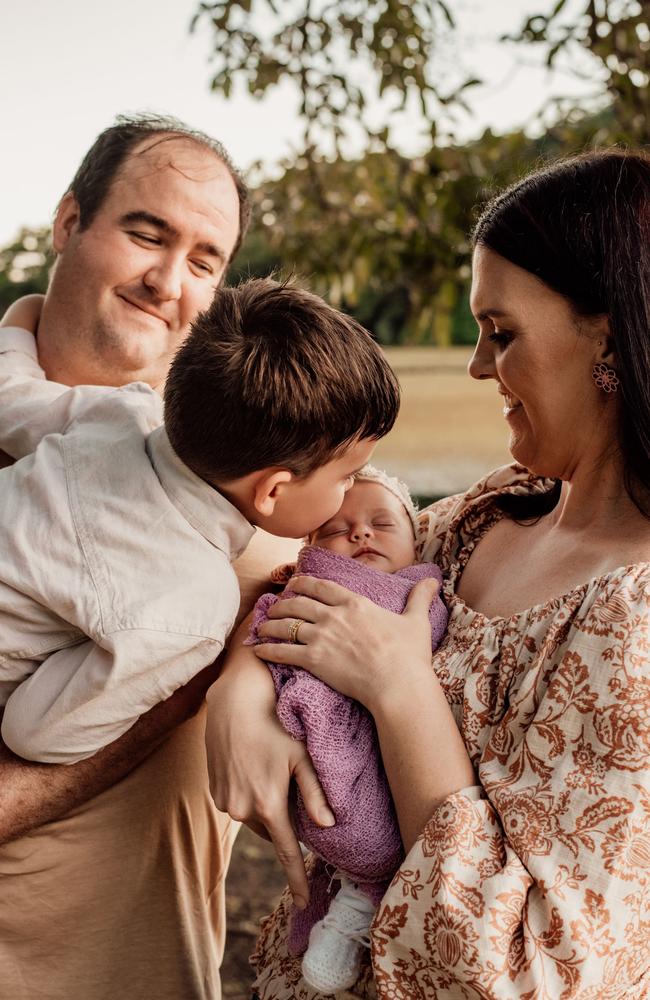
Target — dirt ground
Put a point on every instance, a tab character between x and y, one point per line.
255	881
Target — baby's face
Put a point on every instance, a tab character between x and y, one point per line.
371	526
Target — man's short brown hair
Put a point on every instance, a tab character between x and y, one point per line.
102	163
272	376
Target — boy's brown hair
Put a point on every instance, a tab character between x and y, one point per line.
272	376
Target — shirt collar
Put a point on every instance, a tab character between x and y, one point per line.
201	505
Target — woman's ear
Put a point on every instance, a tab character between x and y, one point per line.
268	488
605	349
65	221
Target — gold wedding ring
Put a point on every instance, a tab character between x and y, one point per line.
293	629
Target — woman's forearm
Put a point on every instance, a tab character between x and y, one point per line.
423	753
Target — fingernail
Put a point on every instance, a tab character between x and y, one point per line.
300	902
327	817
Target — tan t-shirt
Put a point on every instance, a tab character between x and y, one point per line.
124	897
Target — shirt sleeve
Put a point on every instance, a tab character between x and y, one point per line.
82	698
539	887
30	405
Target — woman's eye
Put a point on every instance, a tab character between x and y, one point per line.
500	337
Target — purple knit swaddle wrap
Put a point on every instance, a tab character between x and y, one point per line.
342	741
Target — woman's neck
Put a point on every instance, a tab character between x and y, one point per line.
595	501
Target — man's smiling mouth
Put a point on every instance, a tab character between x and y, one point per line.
144	307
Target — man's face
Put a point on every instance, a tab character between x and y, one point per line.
125	289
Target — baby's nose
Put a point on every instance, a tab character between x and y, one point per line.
361	531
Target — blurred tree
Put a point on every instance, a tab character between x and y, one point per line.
24	265
343	57
609	43
384	235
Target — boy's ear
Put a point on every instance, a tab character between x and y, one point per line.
268	488
65	221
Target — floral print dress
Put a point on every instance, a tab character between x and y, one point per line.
535	886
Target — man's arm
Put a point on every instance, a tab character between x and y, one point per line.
34	794
30	405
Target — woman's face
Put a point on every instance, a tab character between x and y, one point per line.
541	359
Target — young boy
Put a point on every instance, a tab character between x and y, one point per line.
117	533
368	546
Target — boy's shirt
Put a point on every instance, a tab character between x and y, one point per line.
115	579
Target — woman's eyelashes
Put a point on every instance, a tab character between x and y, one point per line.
500	337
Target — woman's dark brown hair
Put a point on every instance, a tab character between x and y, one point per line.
582	225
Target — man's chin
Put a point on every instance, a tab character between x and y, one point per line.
140	356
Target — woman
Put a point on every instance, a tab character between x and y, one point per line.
520	769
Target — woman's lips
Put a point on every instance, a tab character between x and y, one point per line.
510	404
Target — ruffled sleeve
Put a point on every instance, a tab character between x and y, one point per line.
540	887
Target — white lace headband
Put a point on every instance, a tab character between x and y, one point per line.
395	486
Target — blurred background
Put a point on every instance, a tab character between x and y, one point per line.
371	132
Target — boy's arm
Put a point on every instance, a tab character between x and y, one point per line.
25	313
30	405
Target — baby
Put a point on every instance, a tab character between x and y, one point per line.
117	533
369	547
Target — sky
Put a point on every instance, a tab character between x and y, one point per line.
67	68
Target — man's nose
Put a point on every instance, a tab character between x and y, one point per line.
481	363
165	278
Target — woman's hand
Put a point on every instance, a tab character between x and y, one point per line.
384	661
24	312
252	761
359	649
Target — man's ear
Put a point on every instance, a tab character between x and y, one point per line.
268	488
66	221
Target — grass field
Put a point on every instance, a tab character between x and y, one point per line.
450	429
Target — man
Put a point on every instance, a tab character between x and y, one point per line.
116	890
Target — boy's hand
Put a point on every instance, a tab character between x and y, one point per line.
24	312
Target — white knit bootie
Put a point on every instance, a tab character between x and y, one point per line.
332	961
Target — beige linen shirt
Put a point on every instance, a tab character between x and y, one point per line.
115	579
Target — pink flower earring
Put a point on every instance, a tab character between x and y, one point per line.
605	378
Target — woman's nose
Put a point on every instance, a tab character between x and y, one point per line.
481	363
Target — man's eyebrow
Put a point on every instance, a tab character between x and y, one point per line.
166	227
